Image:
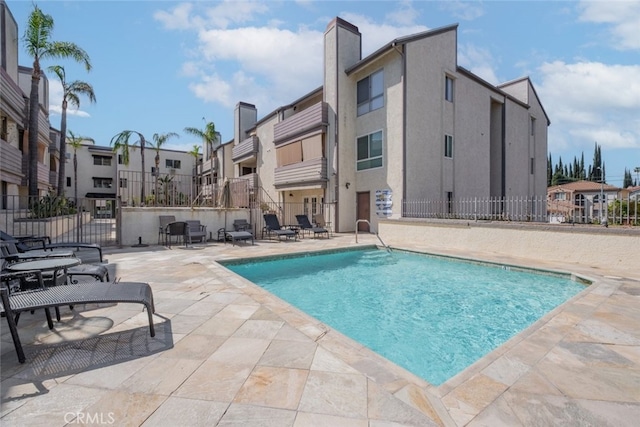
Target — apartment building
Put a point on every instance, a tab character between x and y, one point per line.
404	123
15	86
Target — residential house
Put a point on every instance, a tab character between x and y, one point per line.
404	123
580	201
15	86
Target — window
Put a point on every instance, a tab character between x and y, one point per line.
448	88
102	182
532	165
448	146
120	159
560	196
68	181
172	164
369	151
449	202
123	183
371	93
102	160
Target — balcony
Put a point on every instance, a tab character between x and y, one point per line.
53	179
311	121
10	164
246	150
205	168
43	173
309	174
12	97
252	179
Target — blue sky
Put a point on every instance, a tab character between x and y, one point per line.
160	66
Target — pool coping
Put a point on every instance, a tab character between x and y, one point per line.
405	385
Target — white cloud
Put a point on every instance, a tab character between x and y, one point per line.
222	15
176	19
405	15
55	102
591	102
376	35
623	16
479	61
464	10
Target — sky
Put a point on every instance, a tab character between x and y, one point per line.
161	66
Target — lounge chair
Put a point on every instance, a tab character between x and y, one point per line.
44	243
14	303
233	236
195	232
306	227
318	221
272	226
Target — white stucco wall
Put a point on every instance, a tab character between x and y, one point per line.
145	222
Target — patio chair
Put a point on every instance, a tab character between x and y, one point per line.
164	220
306	227
14	303
241	225
318	221
99	272
177	229
272	226
195	232
44	243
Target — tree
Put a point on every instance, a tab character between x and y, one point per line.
70	94
628	180
209	137
39	46
75	141
120	142
158	141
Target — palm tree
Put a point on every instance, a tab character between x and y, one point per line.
195	152
70	93
158	141
75	141
209	138
39	46
120	142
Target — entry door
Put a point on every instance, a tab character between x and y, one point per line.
364	210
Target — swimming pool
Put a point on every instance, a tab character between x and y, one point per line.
434	316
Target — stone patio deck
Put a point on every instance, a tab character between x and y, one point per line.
228	353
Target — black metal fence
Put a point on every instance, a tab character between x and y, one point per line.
173	190
62	219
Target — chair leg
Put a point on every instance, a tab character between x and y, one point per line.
13	328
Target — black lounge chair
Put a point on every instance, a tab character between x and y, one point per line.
178	229
272	226
26	244
14	303
306	227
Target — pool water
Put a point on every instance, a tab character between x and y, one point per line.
433	316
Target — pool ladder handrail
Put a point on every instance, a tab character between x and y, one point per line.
372	232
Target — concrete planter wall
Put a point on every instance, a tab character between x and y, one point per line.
144	222
52	227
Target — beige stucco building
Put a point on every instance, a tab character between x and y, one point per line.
404	123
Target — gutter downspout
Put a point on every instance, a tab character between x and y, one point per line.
404	123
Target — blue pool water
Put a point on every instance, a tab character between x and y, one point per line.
433	316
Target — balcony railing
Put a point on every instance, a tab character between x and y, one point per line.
312	120
246	150
43	172
12	96
10	163
307	173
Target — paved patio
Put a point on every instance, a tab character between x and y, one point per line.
228	353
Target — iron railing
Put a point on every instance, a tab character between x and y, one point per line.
62	219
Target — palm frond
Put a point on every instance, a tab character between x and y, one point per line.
67	50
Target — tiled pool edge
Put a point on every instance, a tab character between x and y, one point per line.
406	386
